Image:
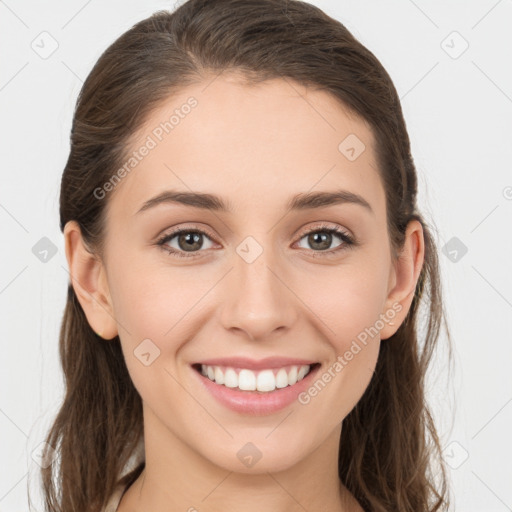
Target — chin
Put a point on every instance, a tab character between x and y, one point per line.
257	455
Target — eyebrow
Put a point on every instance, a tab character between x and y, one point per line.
305	201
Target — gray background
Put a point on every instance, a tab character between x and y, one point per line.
457	103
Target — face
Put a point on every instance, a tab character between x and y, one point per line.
259	279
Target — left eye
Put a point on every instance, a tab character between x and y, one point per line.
190	241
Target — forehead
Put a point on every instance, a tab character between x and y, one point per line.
253	144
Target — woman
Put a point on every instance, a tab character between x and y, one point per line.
247	265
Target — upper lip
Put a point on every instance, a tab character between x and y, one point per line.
253	364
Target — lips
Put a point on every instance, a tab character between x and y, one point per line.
255	402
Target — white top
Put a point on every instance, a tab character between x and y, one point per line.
115	498
136	458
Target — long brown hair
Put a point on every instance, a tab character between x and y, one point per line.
390	454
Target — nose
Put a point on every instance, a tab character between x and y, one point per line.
257	299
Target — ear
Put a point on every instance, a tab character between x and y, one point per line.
403	279
88	279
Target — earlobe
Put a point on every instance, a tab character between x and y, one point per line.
407	270
88	278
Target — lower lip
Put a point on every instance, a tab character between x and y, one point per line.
256	402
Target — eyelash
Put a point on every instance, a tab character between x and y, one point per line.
348	240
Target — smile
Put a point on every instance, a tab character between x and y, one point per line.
255	392
265	381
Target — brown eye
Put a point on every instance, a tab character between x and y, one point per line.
189	241
320	239
184	241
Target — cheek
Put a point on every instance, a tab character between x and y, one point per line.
151	305
156	303
348	300
150	299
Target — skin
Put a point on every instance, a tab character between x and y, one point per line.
256	146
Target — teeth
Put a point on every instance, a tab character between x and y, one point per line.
292	376
302	373
265	381
230	378
219	376
281	378
247	380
